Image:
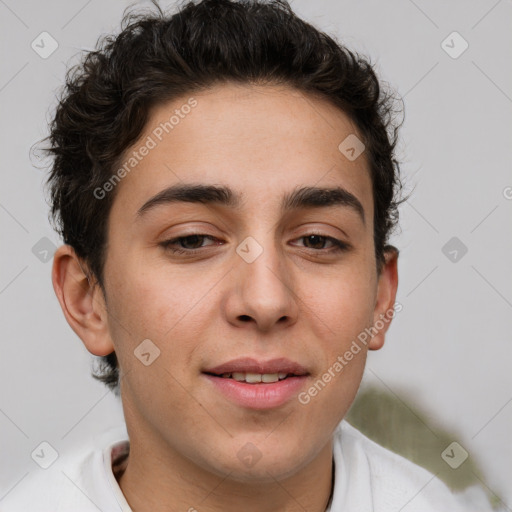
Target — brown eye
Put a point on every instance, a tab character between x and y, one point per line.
316	242
181	244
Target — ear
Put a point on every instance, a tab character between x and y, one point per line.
384	310
82	301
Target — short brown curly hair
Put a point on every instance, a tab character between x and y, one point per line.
156	57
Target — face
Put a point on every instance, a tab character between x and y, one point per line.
258	277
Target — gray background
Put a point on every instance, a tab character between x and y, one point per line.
449	350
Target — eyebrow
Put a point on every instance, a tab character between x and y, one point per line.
304	197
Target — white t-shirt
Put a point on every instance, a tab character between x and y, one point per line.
367	476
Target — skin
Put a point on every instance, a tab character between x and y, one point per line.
296	300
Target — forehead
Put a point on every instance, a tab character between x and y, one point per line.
262	142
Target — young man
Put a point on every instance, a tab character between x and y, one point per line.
225	185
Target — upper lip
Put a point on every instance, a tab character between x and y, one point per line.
250	365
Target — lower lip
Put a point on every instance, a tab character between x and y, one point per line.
259	396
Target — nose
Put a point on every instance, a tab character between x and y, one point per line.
262	291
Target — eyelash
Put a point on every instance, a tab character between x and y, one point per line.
339	246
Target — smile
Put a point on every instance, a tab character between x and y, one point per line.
257	391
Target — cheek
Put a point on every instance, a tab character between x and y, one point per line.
338	316
169	310
340	305
146	296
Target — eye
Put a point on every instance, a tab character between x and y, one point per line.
193	240
179	244
318	239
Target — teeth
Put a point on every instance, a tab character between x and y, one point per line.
254	378
270	377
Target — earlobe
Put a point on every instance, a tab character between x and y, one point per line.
384	310
82	302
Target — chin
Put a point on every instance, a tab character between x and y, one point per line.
261	466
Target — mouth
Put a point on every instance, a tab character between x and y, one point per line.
253	384
250	369
254	378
